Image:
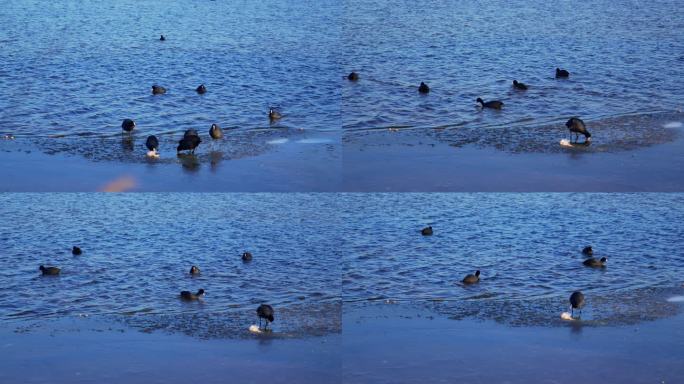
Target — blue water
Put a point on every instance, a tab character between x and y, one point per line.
527	247
314	251
138	250
72	69
624	57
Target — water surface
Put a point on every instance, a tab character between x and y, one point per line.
138	249
623	56
72	71
527	247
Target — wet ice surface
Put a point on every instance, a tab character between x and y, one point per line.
611	134
125	148
612	309
295	321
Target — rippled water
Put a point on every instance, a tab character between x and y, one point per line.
527	246
623	56
138	249
75	70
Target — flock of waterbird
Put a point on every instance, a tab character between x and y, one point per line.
264	311
576	298
191	139
574	124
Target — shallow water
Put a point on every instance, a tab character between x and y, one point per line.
75	70
138	249
623	57
528	248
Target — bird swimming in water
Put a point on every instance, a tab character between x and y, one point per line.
595	263
158	90
519	86
128	125
427	231
187	295
588	250
246	256
162	38
472	279
201	89
562	73
188	143
576	302
194	270
49	270
353	76
265	311
215	132
423	88
494	104
576	125
274	115
76	251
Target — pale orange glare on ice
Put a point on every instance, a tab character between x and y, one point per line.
122	184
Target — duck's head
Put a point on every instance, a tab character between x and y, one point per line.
200	292
477	273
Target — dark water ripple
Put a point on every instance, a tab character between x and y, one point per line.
138	249
527	246
624	58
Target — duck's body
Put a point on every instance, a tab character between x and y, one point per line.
562	73
190	132
215	132
595	263
519	86
188	143
576	302
576	125
76	251
353	76
274	115
427	231
187	295
201	89
152	143
49	270
588	250
472	279
265	312
493	104
246	256
128	125
194	270
423	88
158	90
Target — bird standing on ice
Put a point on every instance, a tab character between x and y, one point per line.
265	312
